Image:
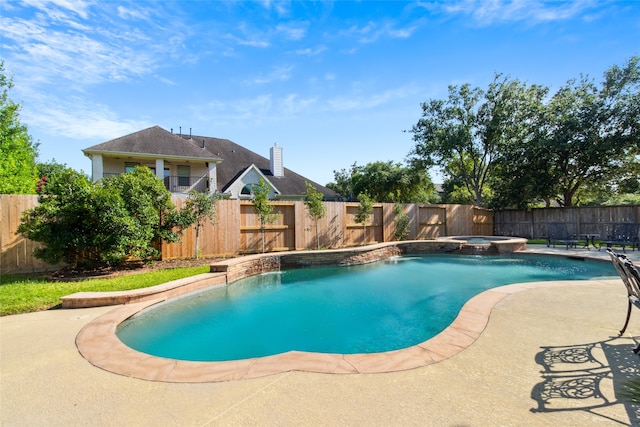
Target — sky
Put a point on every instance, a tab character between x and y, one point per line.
332	83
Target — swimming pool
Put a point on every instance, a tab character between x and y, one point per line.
371	308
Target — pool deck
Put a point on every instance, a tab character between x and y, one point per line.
548	356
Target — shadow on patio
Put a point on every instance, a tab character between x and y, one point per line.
587	377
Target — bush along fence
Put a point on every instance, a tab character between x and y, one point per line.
237	229
598	221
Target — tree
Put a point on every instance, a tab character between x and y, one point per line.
76	222
315	208
51	168
465	133
401	222
343	184
200	208
149	205
386	182
262	207
587	137
18	152
364	211
94	224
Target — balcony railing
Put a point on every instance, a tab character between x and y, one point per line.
180	184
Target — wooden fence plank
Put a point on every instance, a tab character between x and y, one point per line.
16	255
579	220
237	228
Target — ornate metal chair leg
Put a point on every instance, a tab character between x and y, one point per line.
626	322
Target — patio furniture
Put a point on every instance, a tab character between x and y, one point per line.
631	278
558	232
623	234
589	239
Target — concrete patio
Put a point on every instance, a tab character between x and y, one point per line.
548	356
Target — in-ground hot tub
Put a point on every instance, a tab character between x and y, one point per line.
502	244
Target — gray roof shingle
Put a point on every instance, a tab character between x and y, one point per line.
236	159
233	158
154	141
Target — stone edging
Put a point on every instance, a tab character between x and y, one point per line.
163	291
98	343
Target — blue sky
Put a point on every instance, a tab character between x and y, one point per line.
333	83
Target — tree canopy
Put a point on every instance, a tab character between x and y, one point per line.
587	138
513	145
385	182
18	151
465	133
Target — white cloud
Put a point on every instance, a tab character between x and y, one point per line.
79	7
280	7
277	74
249	37
487	12
267	108
292	32
293	104
310	52
373	31
49	55
259	109
253	43
165	80
78	118
129	13
357	101
56	46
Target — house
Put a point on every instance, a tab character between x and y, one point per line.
186	162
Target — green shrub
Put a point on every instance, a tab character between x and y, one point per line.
87	224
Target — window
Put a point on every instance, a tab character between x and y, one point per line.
184	172
167	173
130	166
247	190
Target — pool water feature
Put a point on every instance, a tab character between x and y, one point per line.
488	245
370	308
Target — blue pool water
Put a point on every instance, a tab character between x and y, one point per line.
370	308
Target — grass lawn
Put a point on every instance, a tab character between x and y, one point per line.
20	294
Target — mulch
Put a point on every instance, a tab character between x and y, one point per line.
69	274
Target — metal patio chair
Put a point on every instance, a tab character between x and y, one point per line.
631	278
558	232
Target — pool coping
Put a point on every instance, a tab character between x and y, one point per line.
98	343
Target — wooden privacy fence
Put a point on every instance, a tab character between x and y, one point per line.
17	252
580	220
237	229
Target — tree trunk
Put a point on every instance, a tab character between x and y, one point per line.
197	237
365	234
